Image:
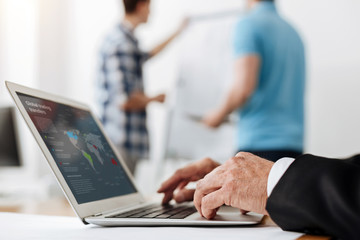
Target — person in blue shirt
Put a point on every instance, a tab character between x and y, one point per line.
268	89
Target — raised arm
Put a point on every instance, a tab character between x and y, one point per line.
244	84
164	44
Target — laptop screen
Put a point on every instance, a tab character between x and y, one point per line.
81	152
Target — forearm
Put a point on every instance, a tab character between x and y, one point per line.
156	50
233	101
164	44
246	73
137	101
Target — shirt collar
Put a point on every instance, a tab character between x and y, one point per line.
264	6
128	29
128	25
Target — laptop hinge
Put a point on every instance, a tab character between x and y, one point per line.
97	215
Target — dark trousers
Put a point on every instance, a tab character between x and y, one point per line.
274	155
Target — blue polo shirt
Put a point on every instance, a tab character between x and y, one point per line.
273	117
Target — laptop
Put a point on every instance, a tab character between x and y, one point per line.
93	175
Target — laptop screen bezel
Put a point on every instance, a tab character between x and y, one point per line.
85	209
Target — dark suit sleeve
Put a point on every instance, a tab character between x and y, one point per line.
319	196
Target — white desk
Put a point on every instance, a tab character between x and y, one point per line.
24	226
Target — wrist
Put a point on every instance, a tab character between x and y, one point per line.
152	99
149	100
276	172
222	112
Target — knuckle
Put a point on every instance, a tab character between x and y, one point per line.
199	185
207	162
231	161
242	155
239	154
203	161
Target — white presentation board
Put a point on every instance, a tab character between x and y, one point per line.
206	72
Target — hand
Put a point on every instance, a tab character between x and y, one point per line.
159	98
182	177
136	102
241	183
214	119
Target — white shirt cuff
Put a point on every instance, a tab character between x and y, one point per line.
276	172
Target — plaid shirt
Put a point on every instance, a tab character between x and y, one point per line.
121	63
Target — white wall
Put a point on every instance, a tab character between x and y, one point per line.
17	63
331	31
53	44
17	41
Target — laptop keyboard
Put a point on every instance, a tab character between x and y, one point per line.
159	212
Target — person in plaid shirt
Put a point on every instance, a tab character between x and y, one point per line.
120	84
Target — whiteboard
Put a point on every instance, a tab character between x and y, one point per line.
205	74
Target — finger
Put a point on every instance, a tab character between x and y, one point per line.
187	174
197	201
211	182
208	123
182	184
171	184
211	203
181	175
243	211
184	195
200	194
167	197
